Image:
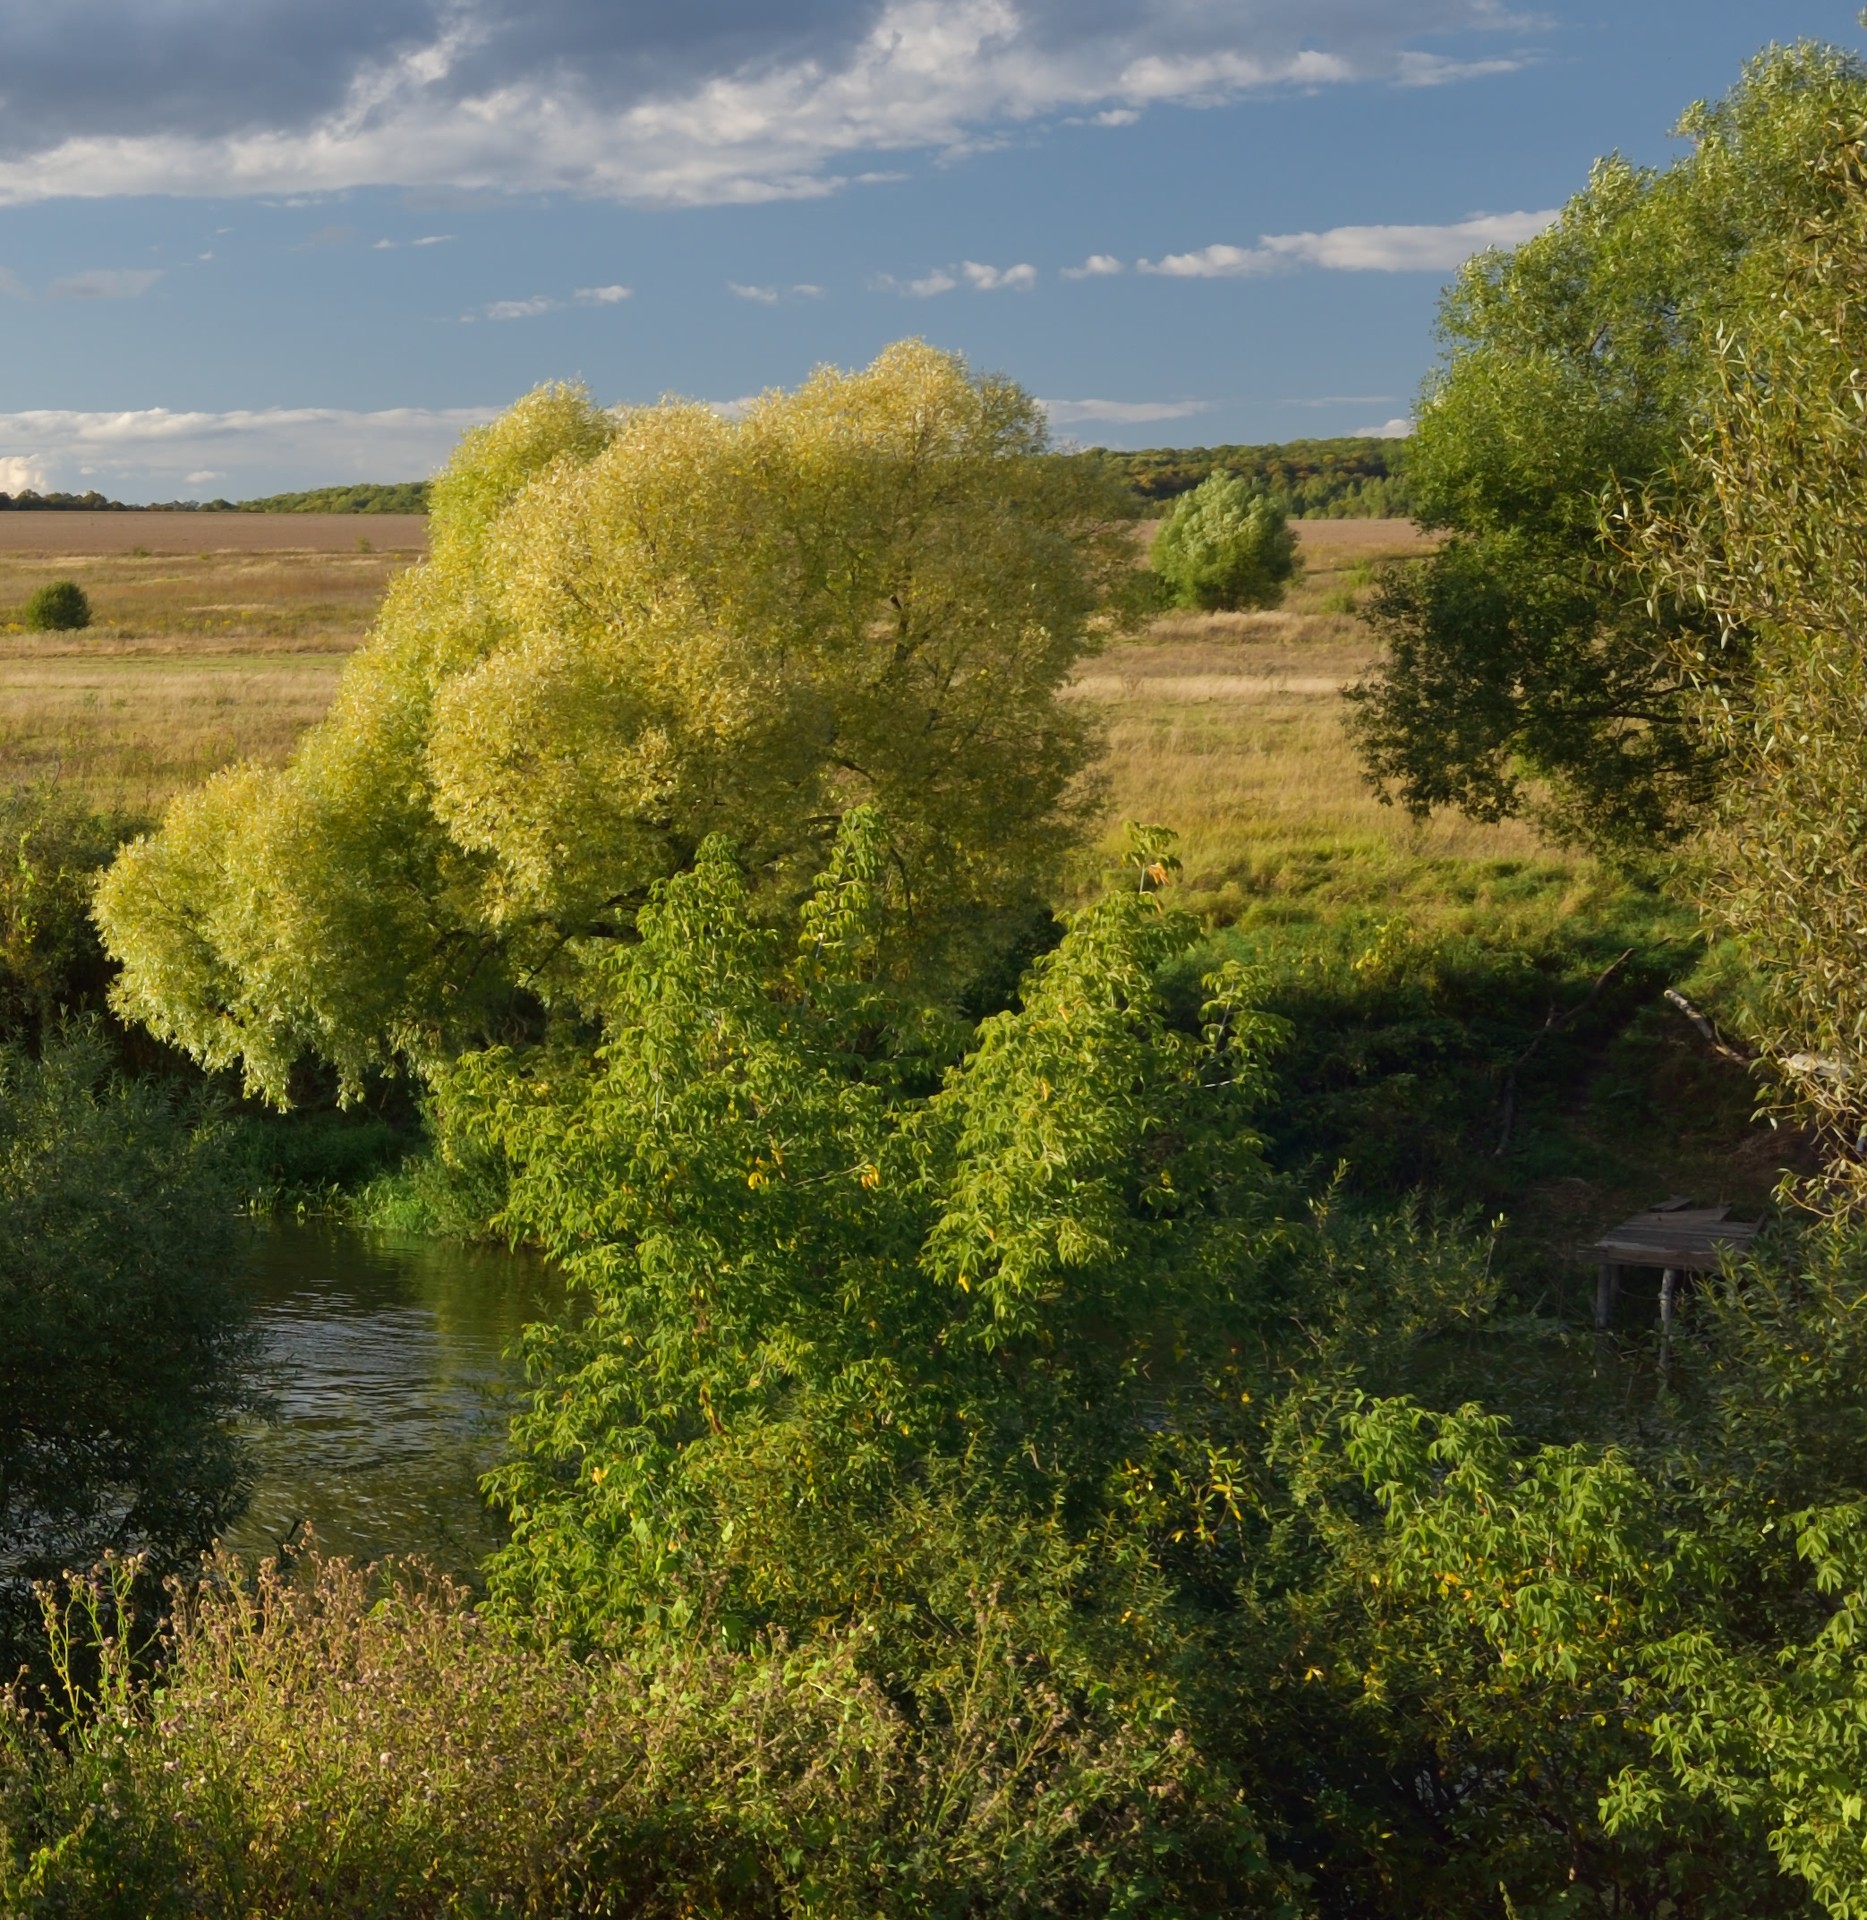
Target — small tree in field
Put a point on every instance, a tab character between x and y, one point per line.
58	607
1226	546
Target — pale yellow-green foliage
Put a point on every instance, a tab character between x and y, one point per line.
1770	538
634	631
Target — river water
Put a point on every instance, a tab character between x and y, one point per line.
390	1363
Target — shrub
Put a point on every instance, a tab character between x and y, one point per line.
1225	546
58	607
334	1744
122	1342
52	848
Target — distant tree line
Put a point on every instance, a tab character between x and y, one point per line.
401	496
29	501
1351	479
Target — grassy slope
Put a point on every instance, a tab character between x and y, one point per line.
1438	978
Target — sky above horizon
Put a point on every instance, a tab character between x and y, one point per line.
247	245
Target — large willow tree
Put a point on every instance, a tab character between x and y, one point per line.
634	630
1771	542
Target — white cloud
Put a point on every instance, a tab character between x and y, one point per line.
18	472
535	304
771	296
1432	70
1388	430
432	240
158	453
1357	249
1096	267
12	287
1070	413
1219	262
972	273
925	288
106	283
504	102
528	309
983	279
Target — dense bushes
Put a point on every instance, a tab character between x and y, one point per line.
332	1745
59	607
52	962
977	1485
910	1487
1226	546
121	1337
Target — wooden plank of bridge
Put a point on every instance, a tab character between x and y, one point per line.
1676	1237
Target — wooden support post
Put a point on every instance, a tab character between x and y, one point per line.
1607	1288
1669	1288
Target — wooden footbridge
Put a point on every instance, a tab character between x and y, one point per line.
1677	1238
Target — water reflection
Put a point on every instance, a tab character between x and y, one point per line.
388	1358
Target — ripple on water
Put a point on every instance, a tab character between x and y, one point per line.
390	1362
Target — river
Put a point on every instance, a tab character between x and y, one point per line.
389	1362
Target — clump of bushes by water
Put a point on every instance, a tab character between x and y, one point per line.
52	963
123	1342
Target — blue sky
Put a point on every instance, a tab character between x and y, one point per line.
253	244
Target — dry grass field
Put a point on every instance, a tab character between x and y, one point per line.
220	637
215	637
1228	728
90	536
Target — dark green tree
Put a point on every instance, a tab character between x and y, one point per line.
58	607
1524	670
123	1343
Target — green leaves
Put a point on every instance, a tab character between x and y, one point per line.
1528	669
635	631
815	1273
122	1344
1769	545
1226	545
